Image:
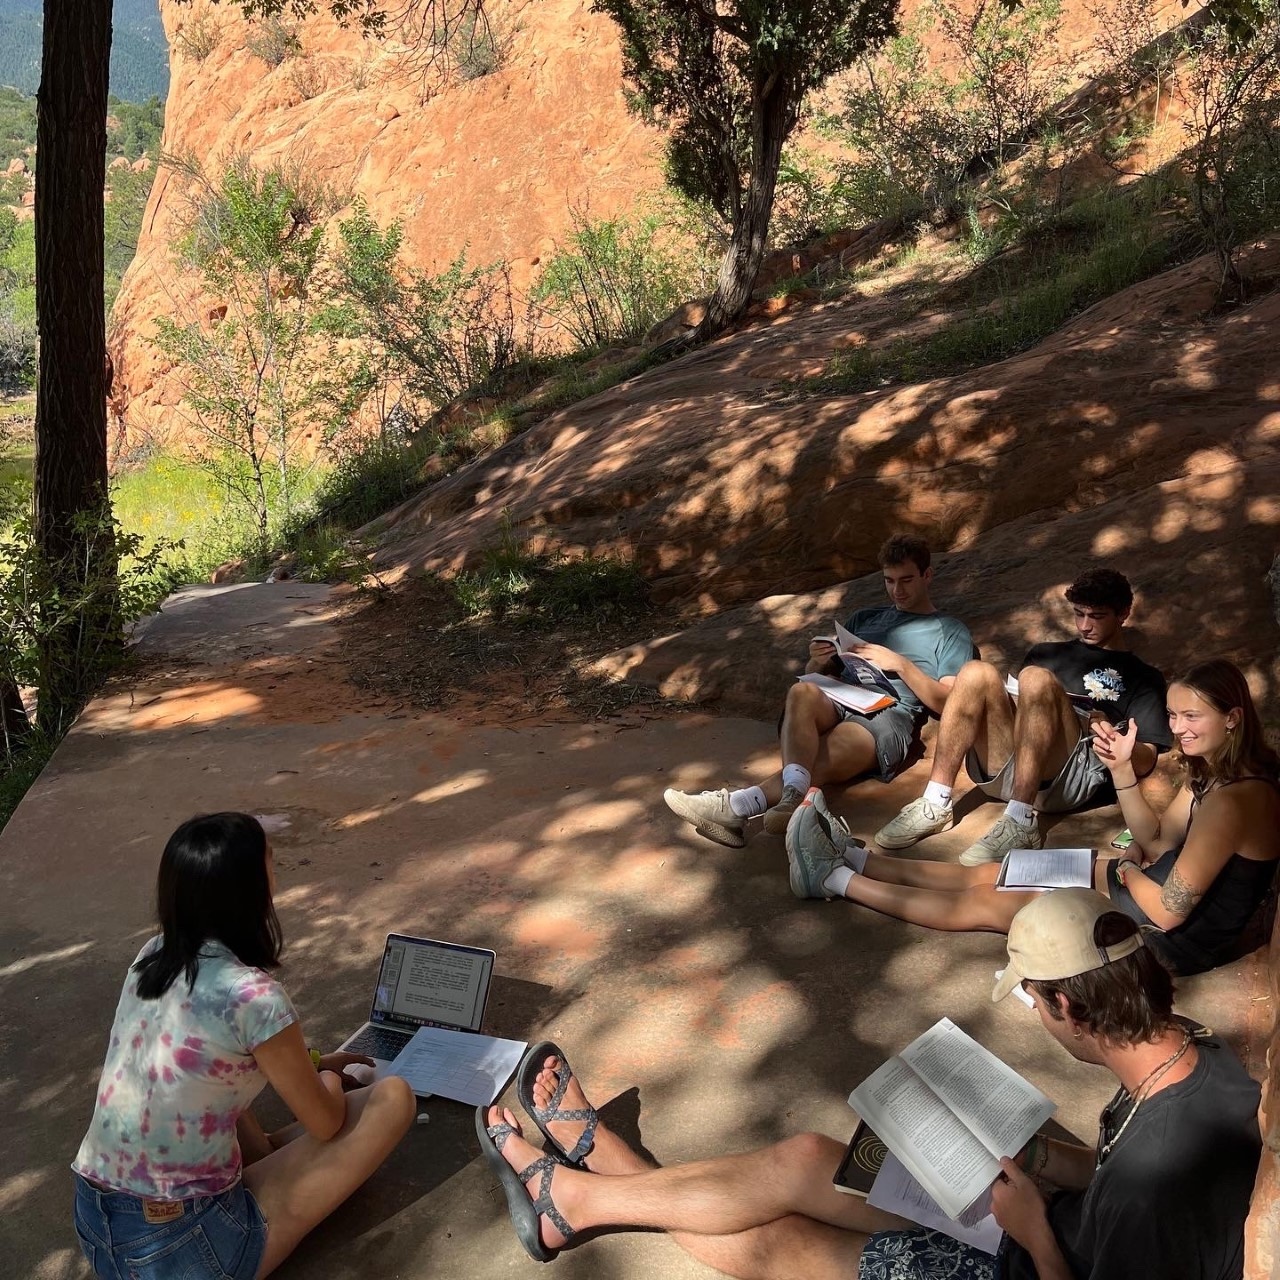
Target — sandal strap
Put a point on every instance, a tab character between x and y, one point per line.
543	1204
499	1132
552	1113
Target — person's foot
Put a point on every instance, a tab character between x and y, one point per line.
565	1132
919	819
710	814
777	818
816	841
1008	833
520	1154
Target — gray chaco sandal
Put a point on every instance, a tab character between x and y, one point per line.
524	1209
530	1065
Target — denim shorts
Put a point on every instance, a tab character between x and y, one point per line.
220	1237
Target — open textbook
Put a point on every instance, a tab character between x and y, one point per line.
861	685
949	1109
1024	869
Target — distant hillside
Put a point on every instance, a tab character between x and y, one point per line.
139	54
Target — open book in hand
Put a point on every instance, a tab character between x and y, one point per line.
861	685
1024	869
843	639
949	1109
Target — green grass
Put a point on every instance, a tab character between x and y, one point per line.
19	771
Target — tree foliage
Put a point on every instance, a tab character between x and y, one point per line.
728	81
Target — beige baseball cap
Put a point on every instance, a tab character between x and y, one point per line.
1052	937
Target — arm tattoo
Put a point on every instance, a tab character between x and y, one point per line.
1178	897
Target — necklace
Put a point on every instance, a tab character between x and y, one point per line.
1141	1093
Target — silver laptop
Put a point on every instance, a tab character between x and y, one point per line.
422	983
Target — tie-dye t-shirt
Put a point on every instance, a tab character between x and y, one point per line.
179	1072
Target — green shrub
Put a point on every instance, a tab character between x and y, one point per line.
613	281
274	41
516	584
368	480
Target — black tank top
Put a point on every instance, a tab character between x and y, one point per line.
1206	937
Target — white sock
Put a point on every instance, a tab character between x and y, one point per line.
838	881
748	802
1019	812
938	795
796	775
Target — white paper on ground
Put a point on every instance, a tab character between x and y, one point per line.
1047	869
896	1191
462	1065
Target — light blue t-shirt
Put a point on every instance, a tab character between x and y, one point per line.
936	642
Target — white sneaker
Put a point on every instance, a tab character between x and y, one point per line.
710	814
919	819
1008	833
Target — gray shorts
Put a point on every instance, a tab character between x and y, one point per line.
1080	779
894	730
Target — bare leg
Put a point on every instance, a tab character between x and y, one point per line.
252	1137
945	877
814	736
1046	731
299	1185
779	1249
979	908
978	715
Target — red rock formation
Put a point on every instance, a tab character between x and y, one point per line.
493	165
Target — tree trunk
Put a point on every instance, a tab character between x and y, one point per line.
740	265
71	409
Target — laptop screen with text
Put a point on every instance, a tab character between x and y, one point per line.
432	984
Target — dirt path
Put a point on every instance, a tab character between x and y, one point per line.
715	1009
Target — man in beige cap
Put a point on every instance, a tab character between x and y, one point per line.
1164	1193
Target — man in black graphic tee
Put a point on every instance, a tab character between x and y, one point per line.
1029	743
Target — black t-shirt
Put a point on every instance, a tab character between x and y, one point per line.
1116	682
1170	1200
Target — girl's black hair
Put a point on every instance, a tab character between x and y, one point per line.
212	887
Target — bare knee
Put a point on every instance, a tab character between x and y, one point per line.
804	699
1036	682
809	1156
394	1098
979	675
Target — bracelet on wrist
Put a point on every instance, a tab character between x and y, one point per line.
1128	786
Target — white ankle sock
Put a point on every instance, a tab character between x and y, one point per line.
748	802
796	775
838	881
936	794
1019	812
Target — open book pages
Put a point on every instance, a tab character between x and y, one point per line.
1081	701
949	1109
1024	869
857	697
842	638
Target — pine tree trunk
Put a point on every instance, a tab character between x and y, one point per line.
775	118
71	409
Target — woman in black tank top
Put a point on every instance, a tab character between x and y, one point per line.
1208	862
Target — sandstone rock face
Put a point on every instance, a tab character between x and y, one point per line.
494	165
1142	436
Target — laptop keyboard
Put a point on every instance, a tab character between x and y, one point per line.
379	1042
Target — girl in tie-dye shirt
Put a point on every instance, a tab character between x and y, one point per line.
175	1177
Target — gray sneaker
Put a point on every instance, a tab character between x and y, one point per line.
919	819
1008	833
710	814
816	841
776	819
